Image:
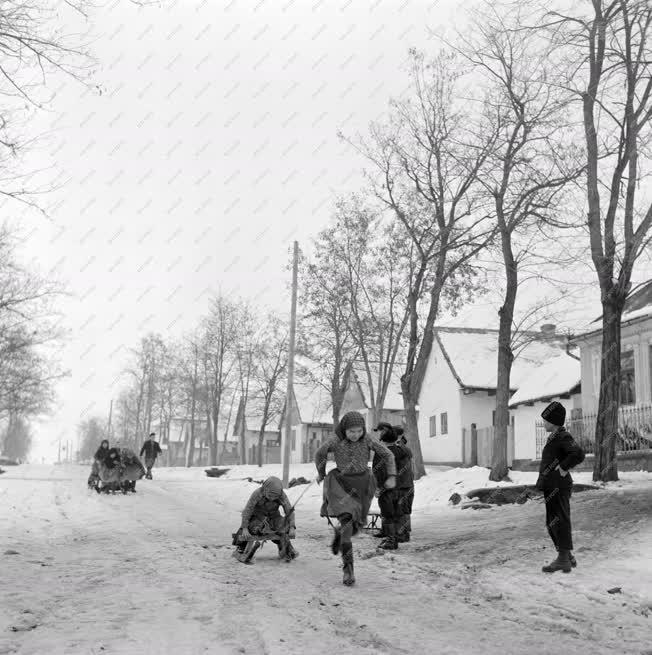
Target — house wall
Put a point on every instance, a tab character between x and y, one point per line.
638	337
440	393
525	419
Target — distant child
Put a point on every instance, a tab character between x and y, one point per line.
560	454
261	516
349	488
152	450
395	504
100	454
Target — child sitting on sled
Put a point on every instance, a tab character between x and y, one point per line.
261	518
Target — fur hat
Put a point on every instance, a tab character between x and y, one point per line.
348	421
554	413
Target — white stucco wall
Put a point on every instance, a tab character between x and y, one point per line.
440	393
525	420
638	337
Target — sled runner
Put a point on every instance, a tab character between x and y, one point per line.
285	550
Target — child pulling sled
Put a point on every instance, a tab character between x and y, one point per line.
349	488
262	521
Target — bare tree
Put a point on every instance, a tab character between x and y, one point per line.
269	374
326	337
528	170
604	54
428	163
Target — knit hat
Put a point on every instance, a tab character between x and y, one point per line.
554	413
348	421
272	487
382	426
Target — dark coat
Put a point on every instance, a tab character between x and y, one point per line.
112	458
560	450
403	458
151	449
101	453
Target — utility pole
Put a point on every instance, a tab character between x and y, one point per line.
290	388
108	427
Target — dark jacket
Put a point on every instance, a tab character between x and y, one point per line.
403	458
560	450
101	453
112	458
151	449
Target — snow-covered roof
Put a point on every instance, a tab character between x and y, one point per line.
472	355
393	397
313	402
555	377
637	305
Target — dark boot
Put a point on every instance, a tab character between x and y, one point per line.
389	542
402	531
337	538
347	561
571	557
562	563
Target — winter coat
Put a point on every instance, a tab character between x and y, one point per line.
260	507
101	453
112	458
403	459
560	450
353	456
151	449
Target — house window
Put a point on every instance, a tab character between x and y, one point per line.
433	426
444	423
649	359
627	378
294	439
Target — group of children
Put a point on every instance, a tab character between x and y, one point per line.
350	487
118	469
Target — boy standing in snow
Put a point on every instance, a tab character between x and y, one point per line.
560	454
395	504
349	488
261	514
152	450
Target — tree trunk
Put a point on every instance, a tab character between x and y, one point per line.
261	441
499	469
412	430
605	467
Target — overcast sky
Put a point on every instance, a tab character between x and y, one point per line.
212	146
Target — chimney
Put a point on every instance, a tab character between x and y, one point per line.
548	329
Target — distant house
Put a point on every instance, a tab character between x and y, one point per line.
359	396
635	414
636	354
312	421
458	395
250	437
558	378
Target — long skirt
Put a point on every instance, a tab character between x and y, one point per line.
349	493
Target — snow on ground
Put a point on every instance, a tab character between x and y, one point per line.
153	572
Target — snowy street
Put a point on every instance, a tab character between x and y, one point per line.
153	573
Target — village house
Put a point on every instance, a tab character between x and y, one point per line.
634	438
458	396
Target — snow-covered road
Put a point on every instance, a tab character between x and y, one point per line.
153	573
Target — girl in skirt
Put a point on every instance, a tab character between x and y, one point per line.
349	488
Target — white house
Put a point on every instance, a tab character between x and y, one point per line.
559	378
312	421
359	396
458	394
636	354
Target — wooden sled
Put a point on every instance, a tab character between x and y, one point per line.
257	540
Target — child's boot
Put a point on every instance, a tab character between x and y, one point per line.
347	561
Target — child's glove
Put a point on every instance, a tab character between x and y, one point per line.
390	483
561	471
245	534
292	533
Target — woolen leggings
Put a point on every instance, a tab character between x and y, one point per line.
346	528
